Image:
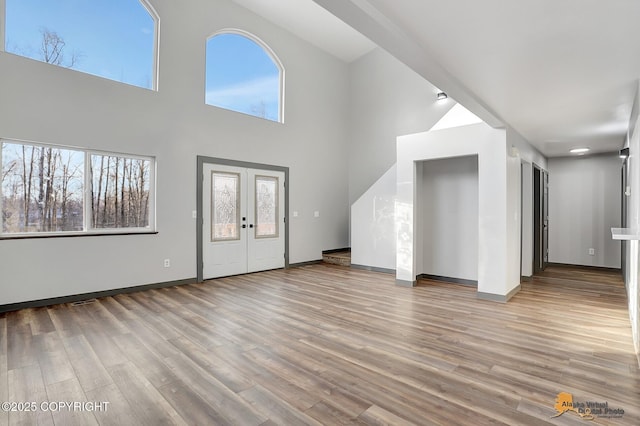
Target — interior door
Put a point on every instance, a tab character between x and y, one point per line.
545	220
540	219
537	221
243	226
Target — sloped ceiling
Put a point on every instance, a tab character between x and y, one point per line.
561	73
312	23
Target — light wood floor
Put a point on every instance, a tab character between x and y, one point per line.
326	345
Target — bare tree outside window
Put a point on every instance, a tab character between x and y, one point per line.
52	49
120	38
120	192
42	189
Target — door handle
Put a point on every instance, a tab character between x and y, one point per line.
251	226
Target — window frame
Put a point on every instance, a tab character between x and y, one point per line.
155	73
272	55
88	227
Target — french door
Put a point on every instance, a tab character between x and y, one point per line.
243	220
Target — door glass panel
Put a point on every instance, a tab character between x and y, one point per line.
225	206
266	206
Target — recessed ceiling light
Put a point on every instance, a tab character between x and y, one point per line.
579	150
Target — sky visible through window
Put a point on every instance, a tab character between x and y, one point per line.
113	39
242	77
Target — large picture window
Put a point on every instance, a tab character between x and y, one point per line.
115	39
49	189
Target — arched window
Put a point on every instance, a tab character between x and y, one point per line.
115	39
244	75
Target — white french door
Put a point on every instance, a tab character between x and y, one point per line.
243	227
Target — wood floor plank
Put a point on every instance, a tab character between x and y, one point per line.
66	322
147	405
328	345
41	321
231	377
87	366
53	358
104	347
20	346
71	414
192	408
377	416
25	384
328	414
275	408
114	410
226	404
146	361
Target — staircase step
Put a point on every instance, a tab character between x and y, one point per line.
342	258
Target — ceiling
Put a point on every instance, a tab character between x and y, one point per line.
312	23
561	73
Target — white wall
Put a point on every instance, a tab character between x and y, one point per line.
632	272
448	212
373	240
387	99
584	204
43	103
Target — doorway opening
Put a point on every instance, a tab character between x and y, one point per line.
241	217
540	219
447	219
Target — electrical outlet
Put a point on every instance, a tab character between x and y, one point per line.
167	263
592	252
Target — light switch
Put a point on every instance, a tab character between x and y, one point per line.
316	214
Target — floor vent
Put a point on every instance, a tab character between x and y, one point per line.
84	302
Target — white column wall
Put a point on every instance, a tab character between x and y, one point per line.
498	220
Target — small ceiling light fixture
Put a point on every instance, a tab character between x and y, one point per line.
624	153
579	150
441	96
